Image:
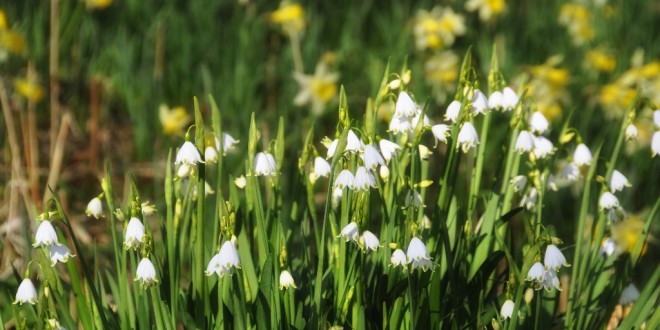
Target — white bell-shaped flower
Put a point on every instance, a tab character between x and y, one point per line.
656	118
211	155
364	179
224	261
507	309
321	167
388	149
607	201
59	253
552	183
398	258
350	232
331	148
554	259
518	182
400	125
344	179
607	247
542	147
538	123
264	164
146	273
418	256
467	137
405	106
353	143
618	181
286	280
415	120
453	111
188	154
372	157
582	155
525	142
551	280
535	272
479	103
414	198
134	234
570	172
529	199
495	100
183	171
46	235
510	99
441	132
629	295
94	208
228	143
369	241
655	144
26	293
631	132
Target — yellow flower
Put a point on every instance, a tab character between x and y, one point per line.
488	9
547	87
627	233
600	60
3	20
577	19
437	28
98	4
441	72
11	41
616	98
29	90
290	16
317	89
174	121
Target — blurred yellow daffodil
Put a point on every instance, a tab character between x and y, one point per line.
600	60
29	90
174	121
317	89
577	19
488	9
98	4
290	16
437	28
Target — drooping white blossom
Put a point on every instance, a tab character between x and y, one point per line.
26	293
188	154
46	235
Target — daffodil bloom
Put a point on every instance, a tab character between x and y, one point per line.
479	103
554	259
46	235
440	132
441	72
488	9
174	121
364	179
518	182
453	110
26	293
524	142
607	201
317	89
507	309
94	208
29	90
98	4
398	259
372	158
290	16
600	60
655	144
286	280
344	179
224	261
59	253
542	147
467	137
188	154
631	132
146	273
629	295
418	256
582	155
627	233
538	123
618	181
388	149
264	164
369	241
577	18
350	232
134	234
437	28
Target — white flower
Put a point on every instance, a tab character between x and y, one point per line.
453	110
467	137
183	171
211	155
286	280
369	241
336	196
94	208
228	143
405	106
570	172
551	183
550	280
388	149
264	164
542	147
224	261
331	148
479	103
554	259
524	142
364	179
518	182
149	209
608	247
607	201
538	123
240	182
655	144
398	258
529	200
417	255
188	154
631	132
618	181
495	100
372	157
46	235
321	167
535	273
507	309
146	272
134	234
630	293
615	214
400	125
414	198
26	293
384	173
353	143
656	118
510	99
59	253
424	151
415	121
582	155
441	132
543	278
344	179
350	232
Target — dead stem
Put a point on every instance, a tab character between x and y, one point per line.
53	72
33	150
58	156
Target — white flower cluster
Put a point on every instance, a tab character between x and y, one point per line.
225	261
367	241
417	256
188	156
545	275
47	237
